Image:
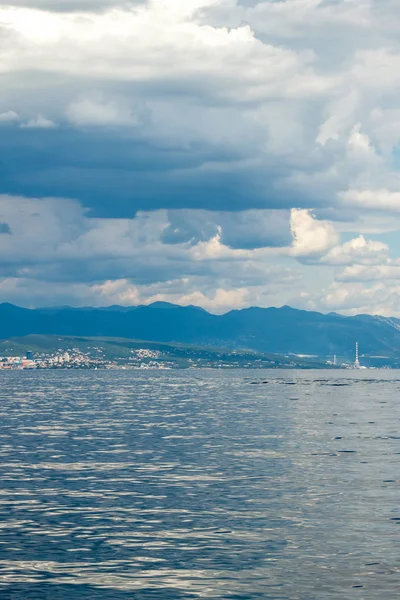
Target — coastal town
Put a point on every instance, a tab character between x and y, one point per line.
98	357
57	352
76	359
139	358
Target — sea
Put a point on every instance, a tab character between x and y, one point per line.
167	485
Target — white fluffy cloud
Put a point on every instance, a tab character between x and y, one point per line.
39	122
366	273
378	298
159	42
9	117
376	199
311	237
358	250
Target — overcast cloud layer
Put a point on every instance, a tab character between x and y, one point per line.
223	153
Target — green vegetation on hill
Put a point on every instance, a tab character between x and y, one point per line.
130	352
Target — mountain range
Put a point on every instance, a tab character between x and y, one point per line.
274	330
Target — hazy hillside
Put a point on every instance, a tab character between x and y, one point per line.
275	330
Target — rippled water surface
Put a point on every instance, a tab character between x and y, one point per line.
199	484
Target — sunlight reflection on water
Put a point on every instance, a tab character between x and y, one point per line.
199	484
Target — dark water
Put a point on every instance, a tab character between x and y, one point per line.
171	485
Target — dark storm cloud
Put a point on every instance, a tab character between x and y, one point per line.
256	229
115	175
239	230
189	226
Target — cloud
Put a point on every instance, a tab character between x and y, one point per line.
310	236
161	43
341	115
71	5
100	113
221	301
210	146
358	298
211	108
5	228
242	229
56	241
358	250
9	117
121	292
39	122
379	199
365	273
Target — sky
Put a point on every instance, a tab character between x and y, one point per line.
221	153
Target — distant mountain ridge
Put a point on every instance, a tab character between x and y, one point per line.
275	330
